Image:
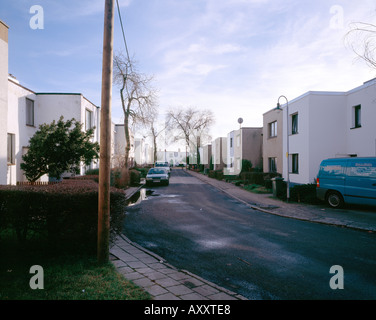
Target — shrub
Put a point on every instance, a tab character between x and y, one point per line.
120	178
216	174
134	177
65	214
304	193
252	178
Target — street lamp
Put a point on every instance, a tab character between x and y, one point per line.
287	141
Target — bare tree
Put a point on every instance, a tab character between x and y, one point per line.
138	97
362	39
191	125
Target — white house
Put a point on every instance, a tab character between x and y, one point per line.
4	103
324	125
219	153
27	110
23	111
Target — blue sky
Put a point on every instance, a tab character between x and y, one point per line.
235	57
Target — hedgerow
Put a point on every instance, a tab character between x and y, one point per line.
64	214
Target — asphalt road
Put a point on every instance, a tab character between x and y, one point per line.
261	256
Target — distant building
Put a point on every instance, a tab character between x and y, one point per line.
243	144
219	153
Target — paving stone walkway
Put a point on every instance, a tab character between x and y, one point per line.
160	279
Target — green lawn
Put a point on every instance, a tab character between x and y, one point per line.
67	276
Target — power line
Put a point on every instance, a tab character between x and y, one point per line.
122	29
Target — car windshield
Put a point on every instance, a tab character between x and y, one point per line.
161	165
156	171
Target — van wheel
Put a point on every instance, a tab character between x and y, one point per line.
335	199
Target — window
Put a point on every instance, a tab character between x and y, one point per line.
230	142
29	112
272	164
11	154
273	129
294	163
357	119
88	119
294	123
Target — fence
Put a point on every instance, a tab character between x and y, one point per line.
37	183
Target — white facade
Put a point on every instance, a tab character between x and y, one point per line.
3	101
219	153
45	108
172	157
322	125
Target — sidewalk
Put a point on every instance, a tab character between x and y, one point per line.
161	280
165	282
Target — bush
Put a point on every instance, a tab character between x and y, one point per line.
216	174
120	178
252	178
134	177
304	193
65	214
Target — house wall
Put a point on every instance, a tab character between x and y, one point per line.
272	146
251	146
219	152
3	101
362	141
327	126
17	96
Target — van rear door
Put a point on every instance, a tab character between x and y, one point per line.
360	185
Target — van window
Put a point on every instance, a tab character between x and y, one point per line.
362	169
331	169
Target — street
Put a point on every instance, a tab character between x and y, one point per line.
196	227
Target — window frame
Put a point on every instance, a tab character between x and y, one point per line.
294	161
30	112
272	162
88	124
357	116
11	148
273	129
294	123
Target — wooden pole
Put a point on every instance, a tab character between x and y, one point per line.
105	136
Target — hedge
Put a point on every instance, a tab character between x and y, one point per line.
64	213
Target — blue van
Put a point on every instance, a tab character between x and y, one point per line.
347	180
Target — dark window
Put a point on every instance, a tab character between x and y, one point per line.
29	112
357	116
294	163
272	164
294	123
11	147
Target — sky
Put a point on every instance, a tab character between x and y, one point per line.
234	57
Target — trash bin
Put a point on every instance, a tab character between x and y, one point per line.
277	185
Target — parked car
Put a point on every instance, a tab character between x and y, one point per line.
162	164
347	180
157	176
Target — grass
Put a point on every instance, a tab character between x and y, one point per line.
255	188
67	276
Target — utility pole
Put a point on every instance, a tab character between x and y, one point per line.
105	136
